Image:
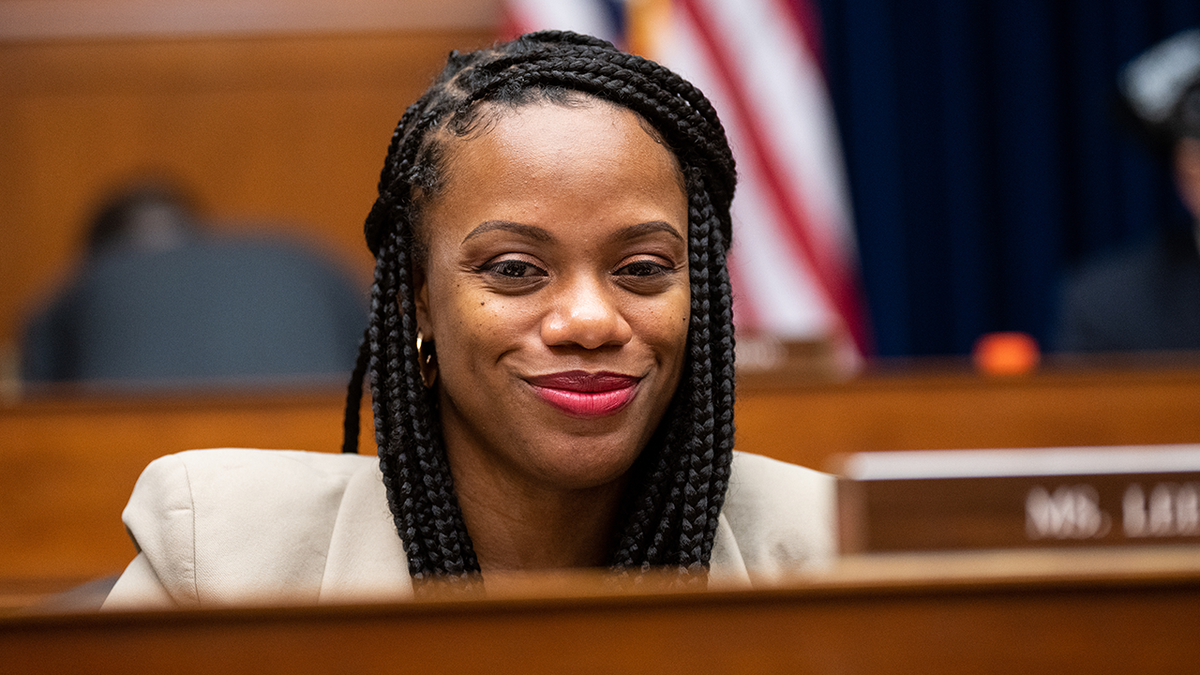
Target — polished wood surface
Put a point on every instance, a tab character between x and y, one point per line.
917	407
68	461
1065	612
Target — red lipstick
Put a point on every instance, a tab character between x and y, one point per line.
582	394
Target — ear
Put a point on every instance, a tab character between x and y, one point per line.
421	300
1187	174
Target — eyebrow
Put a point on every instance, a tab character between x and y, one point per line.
540	234
635	231
530	231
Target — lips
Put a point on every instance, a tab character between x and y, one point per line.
587	395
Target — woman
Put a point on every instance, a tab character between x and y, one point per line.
550	356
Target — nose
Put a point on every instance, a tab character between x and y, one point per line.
585	313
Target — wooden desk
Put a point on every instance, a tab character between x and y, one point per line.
67	466
1053	612
68	463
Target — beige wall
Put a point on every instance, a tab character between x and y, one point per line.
276	124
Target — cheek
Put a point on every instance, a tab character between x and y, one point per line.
465	318
666	332
475	329
664	324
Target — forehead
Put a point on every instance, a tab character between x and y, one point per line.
555	166
576	127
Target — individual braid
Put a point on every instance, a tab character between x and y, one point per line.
416	471
678	484
354	396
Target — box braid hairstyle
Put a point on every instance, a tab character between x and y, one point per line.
669	512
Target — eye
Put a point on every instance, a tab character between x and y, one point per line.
646	276
515	269
643	268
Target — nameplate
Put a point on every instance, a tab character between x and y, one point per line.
989	499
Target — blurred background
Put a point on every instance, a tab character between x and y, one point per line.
273	117
982	160
917	179
985	157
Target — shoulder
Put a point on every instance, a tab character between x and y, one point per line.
251	465
226	525
237	478
1137	270
1131	299
781	516
1122	272
767	495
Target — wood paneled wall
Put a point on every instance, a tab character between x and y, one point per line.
285	130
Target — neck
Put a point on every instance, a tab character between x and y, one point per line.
517	526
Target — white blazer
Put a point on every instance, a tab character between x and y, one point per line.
237	526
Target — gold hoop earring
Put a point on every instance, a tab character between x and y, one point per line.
427	360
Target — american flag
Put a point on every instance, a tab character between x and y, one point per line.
794	258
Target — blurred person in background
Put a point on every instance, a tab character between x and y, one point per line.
160	300
1148	298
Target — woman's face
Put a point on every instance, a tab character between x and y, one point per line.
556	288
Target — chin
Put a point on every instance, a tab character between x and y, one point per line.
572	469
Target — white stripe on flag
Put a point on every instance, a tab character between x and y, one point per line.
774	293
795	251
788	94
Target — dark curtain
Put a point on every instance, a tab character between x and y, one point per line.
985	158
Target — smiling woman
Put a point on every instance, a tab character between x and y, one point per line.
555	284
550	358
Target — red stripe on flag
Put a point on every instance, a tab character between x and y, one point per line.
835	283
809	22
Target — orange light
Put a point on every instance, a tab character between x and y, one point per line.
1006	353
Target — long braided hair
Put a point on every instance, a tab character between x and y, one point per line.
670	508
